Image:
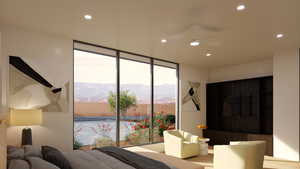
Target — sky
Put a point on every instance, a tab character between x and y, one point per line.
95	68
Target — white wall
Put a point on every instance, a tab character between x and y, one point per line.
52	57
190	118
3	82
286	105
242	71
2	116
1	67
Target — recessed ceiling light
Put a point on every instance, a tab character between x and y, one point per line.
88	17
279	36
164	41
195	43
208	54
240	7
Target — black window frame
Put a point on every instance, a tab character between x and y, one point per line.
117	56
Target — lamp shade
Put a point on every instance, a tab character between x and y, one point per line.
29	117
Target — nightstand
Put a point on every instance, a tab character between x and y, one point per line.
203	146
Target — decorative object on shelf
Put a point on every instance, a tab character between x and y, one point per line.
201	126
193	94
30	117
29	90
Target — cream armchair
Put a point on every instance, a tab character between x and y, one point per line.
181	144
240	155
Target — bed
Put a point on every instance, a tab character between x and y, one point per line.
47	157
103	158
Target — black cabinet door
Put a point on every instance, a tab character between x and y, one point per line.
212	106
266	107
241	106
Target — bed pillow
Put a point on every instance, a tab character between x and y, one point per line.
18	164
15	153
38	163
31	151
54	156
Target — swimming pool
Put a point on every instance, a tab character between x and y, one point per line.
87	132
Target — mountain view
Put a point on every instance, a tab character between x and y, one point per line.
92	92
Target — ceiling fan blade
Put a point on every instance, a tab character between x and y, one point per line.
195	30
211	28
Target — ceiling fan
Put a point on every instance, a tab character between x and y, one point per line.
206	34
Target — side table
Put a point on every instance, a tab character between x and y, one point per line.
203	146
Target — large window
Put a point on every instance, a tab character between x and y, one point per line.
122	99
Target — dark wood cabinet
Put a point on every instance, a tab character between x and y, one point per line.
241	106
240	110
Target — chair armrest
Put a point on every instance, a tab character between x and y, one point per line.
194	139
171	138
191	138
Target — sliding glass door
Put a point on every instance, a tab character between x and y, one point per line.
94	82
121	98
165	98
135	85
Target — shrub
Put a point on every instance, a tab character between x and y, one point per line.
127	100
104	141
161	123
77	145
170	118
140	136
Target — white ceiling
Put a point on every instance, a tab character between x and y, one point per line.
138	26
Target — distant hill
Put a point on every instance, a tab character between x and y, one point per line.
91	92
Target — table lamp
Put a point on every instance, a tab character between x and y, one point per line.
30	117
